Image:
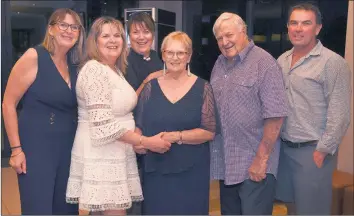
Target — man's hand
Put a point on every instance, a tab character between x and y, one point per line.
318	158
257	170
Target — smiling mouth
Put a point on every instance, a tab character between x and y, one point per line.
112	47
141	43
67	37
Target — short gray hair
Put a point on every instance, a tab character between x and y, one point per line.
229	16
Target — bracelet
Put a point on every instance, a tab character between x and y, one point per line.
17	154
180	138
15	147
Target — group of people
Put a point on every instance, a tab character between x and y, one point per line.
105	127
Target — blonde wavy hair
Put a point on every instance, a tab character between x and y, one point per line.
77	49
91	51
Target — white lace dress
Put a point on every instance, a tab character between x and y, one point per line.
103	171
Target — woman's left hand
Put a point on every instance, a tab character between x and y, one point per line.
139	149
171	137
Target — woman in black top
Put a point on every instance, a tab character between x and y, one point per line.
143	63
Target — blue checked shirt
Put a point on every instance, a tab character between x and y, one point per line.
246	93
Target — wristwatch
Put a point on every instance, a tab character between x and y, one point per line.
179	142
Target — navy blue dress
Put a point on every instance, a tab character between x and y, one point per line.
176	182
47	125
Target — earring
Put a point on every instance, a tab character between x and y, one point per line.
164	69
189	70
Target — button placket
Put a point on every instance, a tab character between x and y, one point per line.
52	117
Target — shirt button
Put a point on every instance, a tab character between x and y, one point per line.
225	76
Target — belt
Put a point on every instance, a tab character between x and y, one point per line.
299	145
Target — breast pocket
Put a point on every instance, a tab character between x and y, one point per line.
244	86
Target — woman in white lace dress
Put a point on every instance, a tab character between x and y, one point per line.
103	173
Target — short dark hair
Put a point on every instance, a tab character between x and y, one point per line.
141	18
308	7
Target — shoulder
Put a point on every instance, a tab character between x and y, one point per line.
203	82
30	55
92	67
260	55
263	60
218	62
332	57
29	60
284	55
335	64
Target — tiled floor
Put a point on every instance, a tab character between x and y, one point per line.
10	202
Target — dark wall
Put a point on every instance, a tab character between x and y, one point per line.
270	31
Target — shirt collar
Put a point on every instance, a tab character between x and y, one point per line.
314	52
242	55
140	55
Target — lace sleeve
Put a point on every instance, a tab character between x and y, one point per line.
139	111
209	113
104	128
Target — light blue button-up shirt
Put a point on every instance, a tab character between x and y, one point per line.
318	89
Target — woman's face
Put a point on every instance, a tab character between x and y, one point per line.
141	38
110	43
176	56
66	32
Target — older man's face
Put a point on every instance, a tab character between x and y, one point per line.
231	38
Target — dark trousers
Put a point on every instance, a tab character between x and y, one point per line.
248	197
43	188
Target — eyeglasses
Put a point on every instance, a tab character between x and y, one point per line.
170	54
64	26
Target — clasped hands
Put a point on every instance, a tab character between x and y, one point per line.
160	143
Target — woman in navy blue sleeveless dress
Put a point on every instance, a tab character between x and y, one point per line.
42	138
181	105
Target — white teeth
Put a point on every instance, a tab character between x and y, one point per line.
112	47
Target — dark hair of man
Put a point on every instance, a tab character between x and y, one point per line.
308	7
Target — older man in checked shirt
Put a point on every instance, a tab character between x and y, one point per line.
249	92
317	83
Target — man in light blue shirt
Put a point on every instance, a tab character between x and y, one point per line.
317	83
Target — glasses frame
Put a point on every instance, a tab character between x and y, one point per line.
175	54
68	25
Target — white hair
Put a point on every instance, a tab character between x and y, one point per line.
232	17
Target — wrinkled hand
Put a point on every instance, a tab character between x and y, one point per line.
318	158
171	137
18	163
257	170
156	143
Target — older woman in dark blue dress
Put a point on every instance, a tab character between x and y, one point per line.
181	105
